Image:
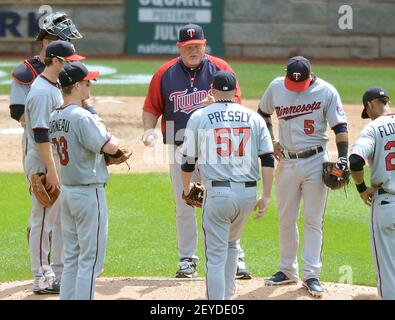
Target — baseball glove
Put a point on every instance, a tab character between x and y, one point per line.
335	175
195	196
119	157
43	196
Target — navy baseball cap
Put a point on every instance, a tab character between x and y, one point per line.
298	74
371	94
224	81
74	72
190	34
62	49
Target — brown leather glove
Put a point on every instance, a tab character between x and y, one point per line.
43	196
335	176
195	196
119	157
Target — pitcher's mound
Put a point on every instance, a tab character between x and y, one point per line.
190	289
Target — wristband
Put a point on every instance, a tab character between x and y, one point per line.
361	187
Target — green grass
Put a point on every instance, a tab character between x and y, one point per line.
351	82
142	233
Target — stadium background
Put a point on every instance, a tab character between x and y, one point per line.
256	37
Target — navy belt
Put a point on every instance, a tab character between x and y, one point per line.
247	184
305	153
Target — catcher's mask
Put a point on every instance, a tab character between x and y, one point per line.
59	26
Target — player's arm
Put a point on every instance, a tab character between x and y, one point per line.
362	149
342	145
17	112
268	119
267	161
152	109
18	96
276	145
357	172
265	110
149	120
190	152
266	154
41	137
40	107
337	120
94	136
110	147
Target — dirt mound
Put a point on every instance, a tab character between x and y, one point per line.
191	289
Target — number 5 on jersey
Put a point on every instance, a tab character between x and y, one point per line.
61	149
224	138
308	126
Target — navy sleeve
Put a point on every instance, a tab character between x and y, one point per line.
16	111
342	127
356	162
267	160
188	163
41	135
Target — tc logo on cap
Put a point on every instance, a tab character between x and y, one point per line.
382	93
296	75
191	32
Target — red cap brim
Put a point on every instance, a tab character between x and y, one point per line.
75	57
92	75
189	42
297	86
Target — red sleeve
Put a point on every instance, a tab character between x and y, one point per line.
153	101
223	65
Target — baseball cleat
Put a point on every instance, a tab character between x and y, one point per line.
187	268
46	285
242	272
279	279
314	287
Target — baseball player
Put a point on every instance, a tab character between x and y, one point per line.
177	89
44	96
304	105
80	141
227	141
375	145
56	26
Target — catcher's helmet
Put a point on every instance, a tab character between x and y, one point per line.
58	25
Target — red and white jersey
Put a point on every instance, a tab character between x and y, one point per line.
175	92
376	144
303	116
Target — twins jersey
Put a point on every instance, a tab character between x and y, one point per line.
44	97
303	116
176	91
79	139
228	139
375	144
